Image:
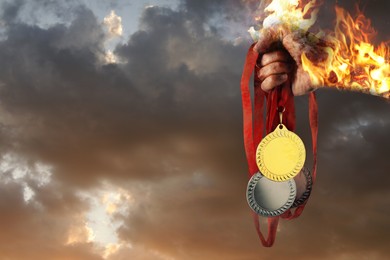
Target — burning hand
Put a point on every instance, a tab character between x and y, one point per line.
344	58
280	60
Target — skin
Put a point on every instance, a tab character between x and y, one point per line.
283	63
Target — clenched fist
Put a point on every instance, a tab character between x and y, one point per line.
280	60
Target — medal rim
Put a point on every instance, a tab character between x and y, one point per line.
258	209
307	193
277	133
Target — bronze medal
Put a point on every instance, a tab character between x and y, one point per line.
304	183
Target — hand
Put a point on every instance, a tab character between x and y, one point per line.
277	66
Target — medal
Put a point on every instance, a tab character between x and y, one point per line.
269	198
281	155
304	184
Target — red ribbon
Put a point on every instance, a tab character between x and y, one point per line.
253	129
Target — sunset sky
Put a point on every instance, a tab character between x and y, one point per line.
121	138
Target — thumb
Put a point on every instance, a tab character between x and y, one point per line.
295	44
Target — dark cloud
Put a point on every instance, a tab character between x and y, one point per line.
85	113
207	9
10	10
166	125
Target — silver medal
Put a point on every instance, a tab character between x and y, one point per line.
269	198
304	183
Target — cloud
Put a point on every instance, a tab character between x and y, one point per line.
48	216
165	125
91	121
10	10
113	22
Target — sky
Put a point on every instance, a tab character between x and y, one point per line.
121	138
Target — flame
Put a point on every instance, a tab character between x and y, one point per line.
290	12
286	14
350	61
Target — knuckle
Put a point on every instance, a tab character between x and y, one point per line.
265	85
266	59
278	66
262	72
266	88
277	78
271	82
275	57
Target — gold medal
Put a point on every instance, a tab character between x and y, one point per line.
281	155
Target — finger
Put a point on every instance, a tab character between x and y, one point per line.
273	81
275	56
274	69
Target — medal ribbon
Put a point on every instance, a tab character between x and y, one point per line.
282	97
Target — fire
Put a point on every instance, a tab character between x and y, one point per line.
287	14
350	61
290	13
